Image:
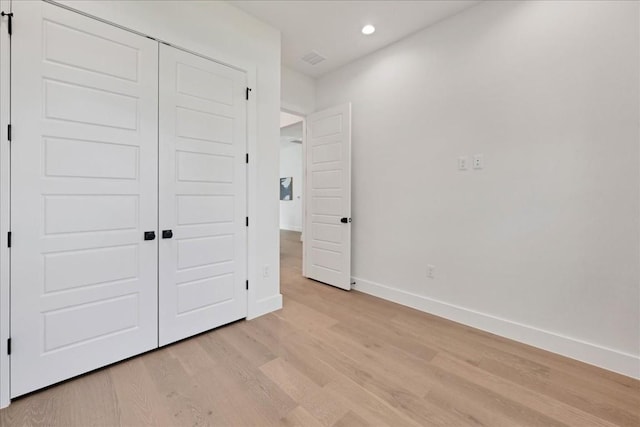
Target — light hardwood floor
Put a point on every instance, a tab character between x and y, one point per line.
336	358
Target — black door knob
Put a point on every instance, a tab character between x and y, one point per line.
345	220
149	235
167	234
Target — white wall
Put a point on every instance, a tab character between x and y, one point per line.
542	245
221	31
291	165
298	92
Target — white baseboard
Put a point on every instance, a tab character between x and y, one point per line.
264	306
291	228
603	357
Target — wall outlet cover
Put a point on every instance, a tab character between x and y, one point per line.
478	161
463	163
431	269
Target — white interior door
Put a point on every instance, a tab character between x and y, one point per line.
327	240
203	143
84	191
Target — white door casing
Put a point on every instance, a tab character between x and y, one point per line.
203	143
327	240
5	191
84	180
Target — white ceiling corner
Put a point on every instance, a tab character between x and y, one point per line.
332	28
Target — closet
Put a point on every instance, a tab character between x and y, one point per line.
128	195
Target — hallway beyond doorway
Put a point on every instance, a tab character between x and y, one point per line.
290	252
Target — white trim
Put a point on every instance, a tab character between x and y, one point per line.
252	194
303	200
607	358
4	208
266	305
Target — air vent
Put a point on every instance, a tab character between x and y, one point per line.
313	58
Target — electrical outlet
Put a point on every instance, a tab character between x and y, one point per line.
463	163
265	271
431	269
478	161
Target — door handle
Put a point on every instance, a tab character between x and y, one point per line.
345	220
167	234
149	235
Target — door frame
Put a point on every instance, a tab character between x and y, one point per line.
5	211
292	110
254	308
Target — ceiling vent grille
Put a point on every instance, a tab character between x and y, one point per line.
313	58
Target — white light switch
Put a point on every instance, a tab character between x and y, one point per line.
478	161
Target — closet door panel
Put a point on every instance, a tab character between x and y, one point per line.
202	195
84	191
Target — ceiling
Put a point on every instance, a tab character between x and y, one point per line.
287	119
291	134
332	28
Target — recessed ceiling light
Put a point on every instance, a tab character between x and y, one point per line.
368	29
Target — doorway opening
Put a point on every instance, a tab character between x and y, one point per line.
291	189
318	148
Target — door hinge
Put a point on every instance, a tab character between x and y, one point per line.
8	132
247	157
247	93
247	221
247	284
9	346
10	22
9	239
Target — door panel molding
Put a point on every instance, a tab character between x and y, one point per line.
256	306
202	195
65	323
327	225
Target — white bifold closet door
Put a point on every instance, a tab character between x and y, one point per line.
203	202
84	191
102	201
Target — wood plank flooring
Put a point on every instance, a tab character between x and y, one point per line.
336	358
